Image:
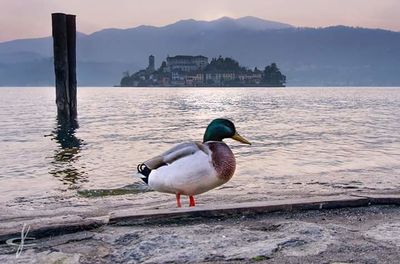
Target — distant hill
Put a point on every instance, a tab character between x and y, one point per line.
332	56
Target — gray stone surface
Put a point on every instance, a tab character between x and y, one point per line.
56	222
352	235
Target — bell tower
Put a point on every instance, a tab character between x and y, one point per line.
151	67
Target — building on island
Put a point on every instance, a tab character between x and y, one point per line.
195	78
151	67
186	63
184	70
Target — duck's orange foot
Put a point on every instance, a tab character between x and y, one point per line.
191	201
178	199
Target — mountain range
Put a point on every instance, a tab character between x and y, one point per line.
331	56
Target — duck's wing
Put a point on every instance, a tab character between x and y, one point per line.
178	152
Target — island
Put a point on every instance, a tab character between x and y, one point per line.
196	71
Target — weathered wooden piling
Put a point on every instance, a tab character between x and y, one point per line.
64	49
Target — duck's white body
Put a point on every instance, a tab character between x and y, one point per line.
189	168
190	175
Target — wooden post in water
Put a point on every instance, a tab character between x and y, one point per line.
64	48
71	41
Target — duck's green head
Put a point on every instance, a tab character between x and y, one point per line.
222	128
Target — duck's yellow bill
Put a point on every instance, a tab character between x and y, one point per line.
241	139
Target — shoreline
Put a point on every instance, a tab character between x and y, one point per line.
58	223
342	233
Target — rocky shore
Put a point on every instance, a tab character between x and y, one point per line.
365	234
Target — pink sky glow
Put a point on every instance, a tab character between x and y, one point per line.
31	18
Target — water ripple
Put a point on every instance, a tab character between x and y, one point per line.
305	140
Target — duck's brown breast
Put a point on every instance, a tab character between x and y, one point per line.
223	159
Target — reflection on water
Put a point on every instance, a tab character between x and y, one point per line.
67	154
135	188
306	141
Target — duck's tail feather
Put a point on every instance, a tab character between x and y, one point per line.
143	172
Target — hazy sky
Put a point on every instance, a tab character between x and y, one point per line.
31	18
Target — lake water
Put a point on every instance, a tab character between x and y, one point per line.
306	141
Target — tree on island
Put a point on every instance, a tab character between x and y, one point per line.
221	64
126	80
272	76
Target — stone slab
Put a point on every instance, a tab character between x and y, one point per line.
58	225
132	217
379	199
50	227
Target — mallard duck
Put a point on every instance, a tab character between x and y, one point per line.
193	168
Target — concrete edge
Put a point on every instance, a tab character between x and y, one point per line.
180	215
130	217
42	230
378	199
